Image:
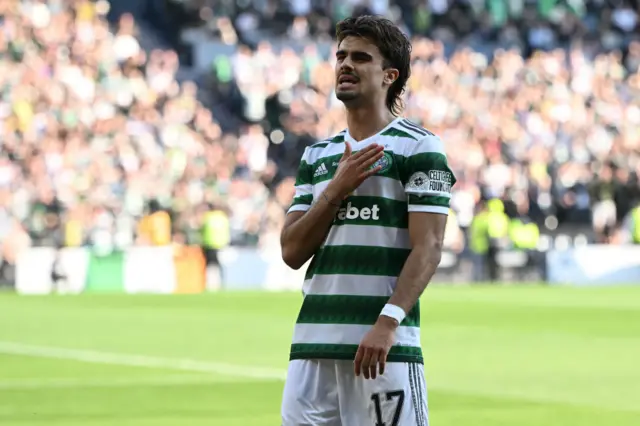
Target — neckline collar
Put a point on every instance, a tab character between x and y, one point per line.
348	137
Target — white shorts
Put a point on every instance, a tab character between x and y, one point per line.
328	393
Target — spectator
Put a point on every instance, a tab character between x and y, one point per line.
95	126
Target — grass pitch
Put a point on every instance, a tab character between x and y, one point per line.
507	356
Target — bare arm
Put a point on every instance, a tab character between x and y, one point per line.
304	232
426	232
429	194
428	189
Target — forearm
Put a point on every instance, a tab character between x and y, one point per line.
415	275
301	239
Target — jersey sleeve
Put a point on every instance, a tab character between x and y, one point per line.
304	190
427	177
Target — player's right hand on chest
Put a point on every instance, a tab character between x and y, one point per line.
353	169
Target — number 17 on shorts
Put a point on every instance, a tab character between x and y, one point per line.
405	405
397	403
327	393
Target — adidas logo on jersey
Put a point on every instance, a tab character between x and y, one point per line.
321	170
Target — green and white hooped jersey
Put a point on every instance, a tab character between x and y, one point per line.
354	272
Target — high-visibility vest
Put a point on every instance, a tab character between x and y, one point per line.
478	234
498	221
635	220
524	236
215	230
498	225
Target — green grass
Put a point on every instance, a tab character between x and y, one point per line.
507	356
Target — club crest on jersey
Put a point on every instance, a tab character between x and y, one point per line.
384	162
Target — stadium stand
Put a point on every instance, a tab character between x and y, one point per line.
113	111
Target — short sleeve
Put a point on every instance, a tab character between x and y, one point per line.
304	190
428	178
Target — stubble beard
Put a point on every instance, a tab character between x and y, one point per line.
348	98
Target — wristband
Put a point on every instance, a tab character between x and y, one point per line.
393	311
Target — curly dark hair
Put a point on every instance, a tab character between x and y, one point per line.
394	46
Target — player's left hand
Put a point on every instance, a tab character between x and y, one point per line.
374	348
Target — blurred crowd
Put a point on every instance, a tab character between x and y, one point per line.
552	129
96	132
528	24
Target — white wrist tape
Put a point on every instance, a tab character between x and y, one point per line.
393	311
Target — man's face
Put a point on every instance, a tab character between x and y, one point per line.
360	74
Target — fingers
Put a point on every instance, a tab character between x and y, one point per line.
357	362
378	360
372	149
370	172
370	160
366	363
355	168
373	368
382	361
373	360
347	151
364	162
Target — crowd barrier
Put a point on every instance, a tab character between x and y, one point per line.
594	265
163	270
137	270
182	270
